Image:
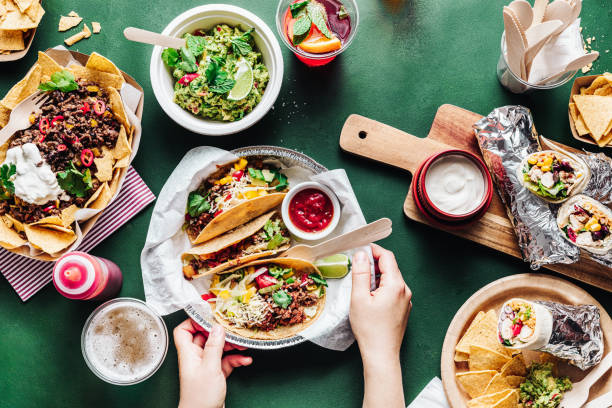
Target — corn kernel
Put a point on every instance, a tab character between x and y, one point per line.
93	123
262	192
595	227
548	161
69	126
92	88
251	194
241	164
32	119
545	168
224	294
224	180
532	160
591	222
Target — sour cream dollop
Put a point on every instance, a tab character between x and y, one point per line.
455	184
35	182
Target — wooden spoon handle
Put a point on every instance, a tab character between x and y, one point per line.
149	37
364	235
539	8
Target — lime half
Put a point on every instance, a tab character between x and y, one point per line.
334	266
244	81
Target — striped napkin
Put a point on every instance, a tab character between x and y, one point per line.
27	276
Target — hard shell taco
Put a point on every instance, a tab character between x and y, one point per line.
587	223
237	192
268	299
265	236
553	176
68	158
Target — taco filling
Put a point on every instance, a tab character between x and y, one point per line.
272	237
266	297
517	323
587	225
230	186
54	163
549	175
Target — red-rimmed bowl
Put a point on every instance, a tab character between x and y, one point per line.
432	211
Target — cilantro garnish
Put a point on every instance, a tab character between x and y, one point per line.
186	59
241	45
317	279
171	57
217	79
7	188
75	182
196	44
197	204
188	63
282	298
60	81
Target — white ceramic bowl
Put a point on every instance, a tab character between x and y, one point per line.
206	17
310	236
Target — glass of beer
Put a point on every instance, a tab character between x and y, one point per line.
124	341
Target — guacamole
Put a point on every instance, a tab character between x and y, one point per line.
541	389
208	68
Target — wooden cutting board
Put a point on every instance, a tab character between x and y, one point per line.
452	129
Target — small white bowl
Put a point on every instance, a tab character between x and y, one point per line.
310	236
206	17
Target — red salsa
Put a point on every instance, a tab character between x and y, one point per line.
311	210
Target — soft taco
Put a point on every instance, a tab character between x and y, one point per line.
268	299
237	192
586	223
265	236
553	176
68	158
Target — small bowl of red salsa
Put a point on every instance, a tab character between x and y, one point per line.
311	211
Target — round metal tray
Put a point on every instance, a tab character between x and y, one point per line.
289	158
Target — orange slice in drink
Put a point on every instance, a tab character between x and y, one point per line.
317	43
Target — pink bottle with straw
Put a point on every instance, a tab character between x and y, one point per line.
78	275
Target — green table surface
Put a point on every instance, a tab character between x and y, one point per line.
409	57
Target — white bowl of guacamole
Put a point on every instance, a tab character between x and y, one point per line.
206	121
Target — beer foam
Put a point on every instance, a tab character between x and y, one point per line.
125	343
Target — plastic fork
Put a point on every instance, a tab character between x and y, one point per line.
20	116
580	390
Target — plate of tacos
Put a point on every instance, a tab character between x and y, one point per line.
57	175
233	221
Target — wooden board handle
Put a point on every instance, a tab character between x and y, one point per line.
377	141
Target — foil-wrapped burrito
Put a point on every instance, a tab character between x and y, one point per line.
570	332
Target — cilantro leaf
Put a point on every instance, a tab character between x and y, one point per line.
282	298
197	204
217	79
241	45
61	80
212	69
317	279
7	187
195	44
276	241
171	57
74	182
188	64
297	7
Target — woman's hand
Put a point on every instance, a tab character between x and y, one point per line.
202	367
378	319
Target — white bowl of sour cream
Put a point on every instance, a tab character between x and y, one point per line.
455	186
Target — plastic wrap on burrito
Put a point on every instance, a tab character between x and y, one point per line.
576	334
506	136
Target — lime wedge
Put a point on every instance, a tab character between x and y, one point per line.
244	81
334	266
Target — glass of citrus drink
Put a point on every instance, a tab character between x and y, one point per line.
317	31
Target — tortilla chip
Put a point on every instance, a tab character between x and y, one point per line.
35	12
15	20
510	401
599	82
104	164
68	22
15	223
482	358
596	112
47	65
96	27
9	238
68	215
23	5
516	366
24	88
53	219
474	382
56	227
86	30
122	148
459	356
94	196
11	40
482	333
50	240
101	63
103	79
5	114
115	182
604	90
514	380
73	14
103	199
605	140
74	39
117	106
498	383
489	400
578	122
